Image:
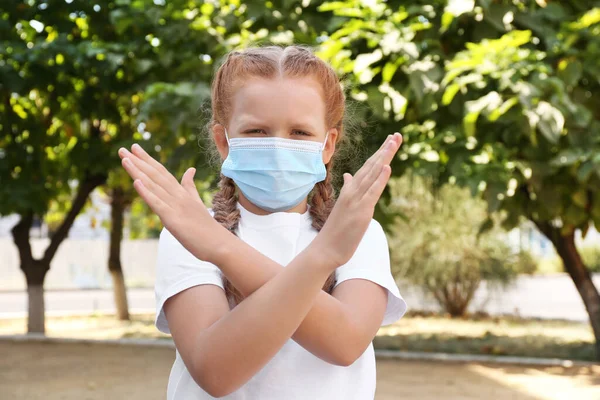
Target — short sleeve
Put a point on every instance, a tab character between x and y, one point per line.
371	261
177	270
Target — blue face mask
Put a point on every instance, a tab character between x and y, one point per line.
273	173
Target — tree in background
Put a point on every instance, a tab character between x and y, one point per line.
45	142
121	196
71	75
498	96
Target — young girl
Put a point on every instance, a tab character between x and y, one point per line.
277	292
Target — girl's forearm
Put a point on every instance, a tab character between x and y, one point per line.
326	331
238	345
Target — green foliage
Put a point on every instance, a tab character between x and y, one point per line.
68	84
591	257
525	263
436	246
553	264
501	97
589	254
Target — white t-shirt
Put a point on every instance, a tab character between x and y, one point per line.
293	373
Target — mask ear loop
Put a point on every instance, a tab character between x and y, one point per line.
227	137
325	142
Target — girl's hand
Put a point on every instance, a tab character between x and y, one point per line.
354	208
178	206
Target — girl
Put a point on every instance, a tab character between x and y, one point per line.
277	292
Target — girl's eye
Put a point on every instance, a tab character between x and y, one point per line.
259	131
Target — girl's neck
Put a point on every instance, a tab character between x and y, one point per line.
300	208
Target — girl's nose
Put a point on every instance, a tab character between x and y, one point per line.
281	133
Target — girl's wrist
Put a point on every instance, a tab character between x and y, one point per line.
323	254
222	243
212	243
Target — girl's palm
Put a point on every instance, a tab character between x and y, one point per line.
354	208
178	206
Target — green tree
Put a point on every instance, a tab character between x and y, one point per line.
72	76
498	96
45	144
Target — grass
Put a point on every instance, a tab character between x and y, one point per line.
487	335
415	332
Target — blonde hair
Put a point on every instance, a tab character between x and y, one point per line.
270	62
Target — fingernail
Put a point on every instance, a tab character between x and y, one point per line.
126	161
136	146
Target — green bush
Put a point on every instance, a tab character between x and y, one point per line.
525	263
435	244
452	268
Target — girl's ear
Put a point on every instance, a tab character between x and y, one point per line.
218	132
329	148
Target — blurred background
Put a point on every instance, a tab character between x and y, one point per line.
492	213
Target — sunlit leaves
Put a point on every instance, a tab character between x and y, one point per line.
455	8
551	121
519	88
587	20
487	104
71	80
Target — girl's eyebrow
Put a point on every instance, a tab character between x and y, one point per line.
245	124
251	123
303	127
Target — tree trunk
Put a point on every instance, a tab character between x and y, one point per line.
120	293
35	273
566	249
114	259
35	308
35	270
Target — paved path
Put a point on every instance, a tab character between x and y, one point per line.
552	296
51	371
77	301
